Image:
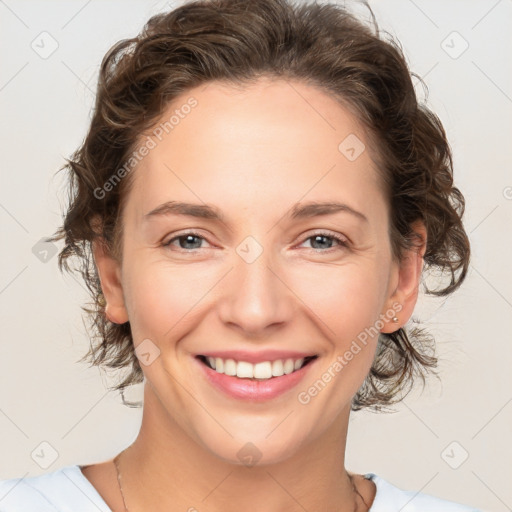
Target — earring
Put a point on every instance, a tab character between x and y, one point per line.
395	319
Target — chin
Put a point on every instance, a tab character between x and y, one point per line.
258	449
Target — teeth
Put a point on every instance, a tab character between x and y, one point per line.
264	370
244	370
288	366
229	367
277	368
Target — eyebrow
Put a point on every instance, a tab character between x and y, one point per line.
210	212
316	209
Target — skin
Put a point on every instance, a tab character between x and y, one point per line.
253	153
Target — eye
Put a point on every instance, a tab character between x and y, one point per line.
321	237
191	241
185	241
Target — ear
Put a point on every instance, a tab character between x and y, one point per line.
109	271
403	298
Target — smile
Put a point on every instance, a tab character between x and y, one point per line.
262	371
254	382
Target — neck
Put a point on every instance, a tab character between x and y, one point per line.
166	469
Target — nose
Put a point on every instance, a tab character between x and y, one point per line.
256	298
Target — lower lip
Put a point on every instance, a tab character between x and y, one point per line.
254	390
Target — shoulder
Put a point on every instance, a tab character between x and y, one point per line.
63	490
389	497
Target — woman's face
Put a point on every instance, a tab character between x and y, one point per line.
261	278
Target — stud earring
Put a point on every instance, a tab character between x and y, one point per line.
395	319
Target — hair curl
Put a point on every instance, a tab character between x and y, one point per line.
238	41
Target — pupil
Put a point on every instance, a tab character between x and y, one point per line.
187	240
316	237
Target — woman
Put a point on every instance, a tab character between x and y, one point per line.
286	146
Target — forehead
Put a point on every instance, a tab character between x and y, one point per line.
271	142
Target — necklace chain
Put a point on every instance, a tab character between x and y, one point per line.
116	464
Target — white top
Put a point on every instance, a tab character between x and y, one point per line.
68	490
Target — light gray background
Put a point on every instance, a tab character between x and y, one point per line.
45	397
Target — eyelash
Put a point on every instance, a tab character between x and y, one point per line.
341	241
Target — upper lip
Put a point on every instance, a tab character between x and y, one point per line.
257	357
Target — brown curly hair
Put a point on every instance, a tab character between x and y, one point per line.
238	41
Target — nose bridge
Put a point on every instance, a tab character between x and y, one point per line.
256	296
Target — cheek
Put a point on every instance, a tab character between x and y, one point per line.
162	298
344	299
346	303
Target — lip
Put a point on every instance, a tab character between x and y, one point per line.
253	390
257	357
